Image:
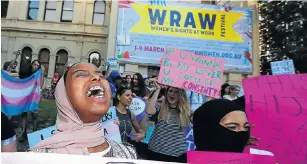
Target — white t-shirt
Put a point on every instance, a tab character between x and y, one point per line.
228	97
102	153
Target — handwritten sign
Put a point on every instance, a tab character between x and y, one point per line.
110	130
190	138
228	158
282	67
196	73
277	105
110	115
36	137
138	106
54	158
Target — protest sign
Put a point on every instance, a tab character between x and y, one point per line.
202	29
282	67
36	137
190	138
54	158
277	105
112	62
138	107
196	73
110	130
228	158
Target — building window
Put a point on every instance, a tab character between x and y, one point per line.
61	60
43	57
4	7
33	9
99	12
67	11
50	10
95	58
153	71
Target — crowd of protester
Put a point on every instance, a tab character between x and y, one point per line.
84	94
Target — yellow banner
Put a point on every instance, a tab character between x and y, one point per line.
186	22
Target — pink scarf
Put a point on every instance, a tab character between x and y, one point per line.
73	136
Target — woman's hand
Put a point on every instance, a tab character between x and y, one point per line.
116	121
151	123
139	137
157	86
252	139
146	98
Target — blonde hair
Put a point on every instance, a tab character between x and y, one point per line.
183	107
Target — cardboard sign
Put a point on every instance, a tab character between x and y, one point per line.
282	67
277	105
36	137
111	130
228	158
54	158
110	115
138	107
188	71
190	138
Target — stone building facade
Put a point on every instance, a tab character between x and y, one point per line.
55	32
67	31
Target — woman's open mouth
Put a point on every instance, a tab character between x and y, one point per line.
96	93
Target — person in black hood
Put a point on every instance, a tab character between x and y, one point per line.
221	126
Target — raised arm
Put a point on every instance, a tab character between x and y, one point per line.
151	109
42	76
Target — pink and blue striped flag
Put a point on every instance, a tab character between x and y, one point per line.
19	95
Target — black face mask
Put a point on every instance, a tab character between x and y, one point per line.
223	140
210	135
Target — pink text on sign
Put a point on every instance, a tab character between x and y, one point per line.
196	73
197	157
277	105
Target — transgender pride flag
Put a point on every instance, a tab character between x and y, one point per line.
19	95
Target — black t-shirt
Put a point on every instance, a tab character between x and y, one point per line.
7	130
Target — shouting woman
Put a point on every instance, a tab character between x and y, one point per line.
168	141
83	97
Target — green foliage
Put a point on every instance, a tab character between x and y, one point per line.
283	33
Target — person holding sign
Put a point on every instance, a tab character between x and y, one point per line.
168	141
83	97
125	118
221	126
34	67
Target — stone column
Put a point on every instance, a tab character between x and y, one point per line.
13	9
89	8
79	11
41	10
111	52
59	10
51	65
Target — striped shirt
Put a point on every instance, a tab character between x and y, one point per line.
168	138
